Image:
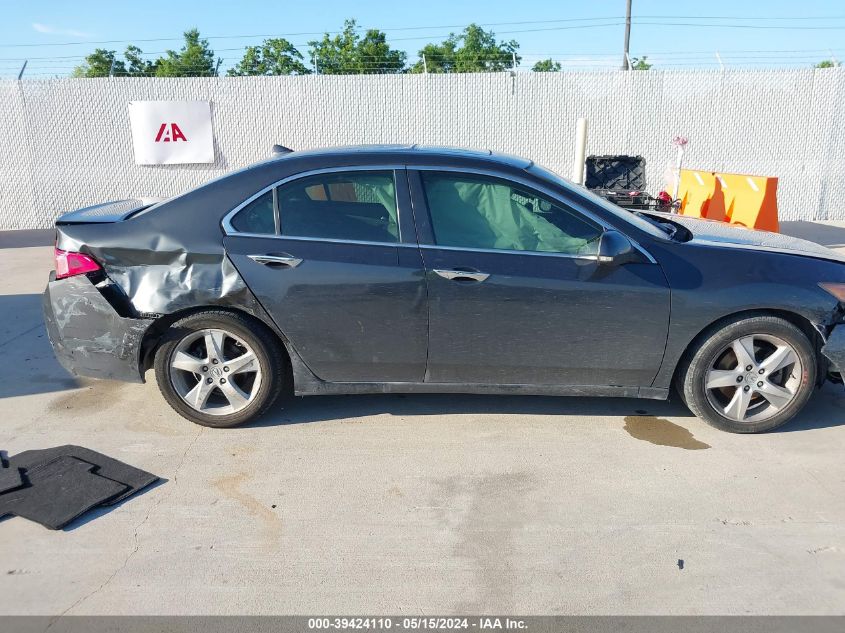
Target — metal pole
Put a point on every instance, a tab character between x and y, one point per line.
23	68
719	58
217	67
678	162
626	62
680	142
580	151
514	60
425	65
111	68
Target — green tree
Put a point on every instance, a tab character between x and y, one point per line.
473	51
194	59
828	63
439	58
546	66
640	63
376	56
273	57
349	53
100	63
136	66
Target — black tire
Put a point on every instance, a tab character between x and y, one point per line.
693	370
258	336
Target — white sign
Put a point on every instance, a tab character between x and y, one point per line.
171	132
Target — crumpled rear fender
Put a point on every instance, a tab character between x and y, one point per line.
88	336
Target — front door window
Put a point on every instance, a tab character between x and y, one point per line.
469	211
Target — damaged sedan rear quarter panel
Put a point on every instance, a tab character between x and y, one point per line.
156	274
86	331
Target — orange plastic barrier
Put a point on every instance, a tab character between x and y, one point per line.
749	201
696	191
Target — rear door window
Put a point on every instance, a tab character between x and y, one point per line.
354	205
257	217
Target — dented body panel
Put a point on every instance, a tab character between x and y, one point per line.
834	349
88	336
710	283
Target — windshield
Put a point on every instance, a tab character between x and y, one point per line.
652	227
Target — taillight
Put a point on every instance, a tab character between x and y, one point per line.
69	264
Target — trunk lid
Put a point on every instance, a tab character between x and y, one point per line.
114	211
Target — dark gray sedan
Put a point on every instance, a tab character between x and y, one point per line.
409	269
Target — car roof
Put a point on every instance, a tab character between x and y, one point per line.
230	189
412	153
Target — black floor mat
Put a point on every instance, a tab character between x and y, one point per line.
10	478
59	491
104	466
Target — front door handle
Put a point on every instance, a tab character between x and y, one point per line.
282	259
462	275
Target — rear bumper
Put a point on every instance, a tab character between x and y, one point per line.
834	348
88	336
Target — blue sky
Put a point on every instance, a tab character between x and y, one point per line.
577	33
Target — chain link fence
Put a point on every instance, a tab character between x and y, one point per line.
66	143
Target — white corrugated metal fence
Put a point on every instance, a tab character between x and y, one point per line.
66	143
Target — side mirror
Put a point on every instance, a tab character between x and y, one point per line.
615	249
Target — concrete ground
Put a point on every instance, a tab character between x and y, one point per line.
420	504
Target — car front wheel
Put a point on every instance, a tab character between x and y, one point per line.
749	376
219	369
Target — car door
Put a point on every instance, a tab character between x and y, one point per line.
332	256
517	296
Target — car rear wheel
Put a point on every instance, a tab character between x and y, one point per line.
219	369
749	376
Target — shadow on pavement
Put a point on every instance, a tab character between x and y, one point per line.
824	234
27	238
309	409
826	408
30	366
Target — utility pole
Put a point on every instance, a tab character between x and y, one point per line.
626	64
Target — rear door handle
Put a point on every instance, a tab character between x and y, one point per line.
462	275
277	260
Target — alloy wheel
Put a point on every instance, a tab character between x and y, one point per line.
753	378
215	372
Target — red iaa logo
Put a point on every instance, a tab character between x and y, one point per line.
169	132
